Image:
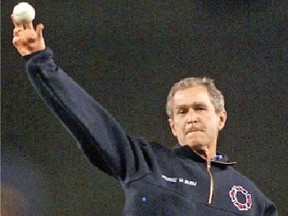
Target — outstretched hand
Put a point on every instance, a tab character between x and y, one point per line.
26	39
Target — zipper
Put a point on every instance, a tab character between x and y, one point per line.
211	182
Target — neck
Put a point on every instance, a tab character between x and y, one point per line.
206	153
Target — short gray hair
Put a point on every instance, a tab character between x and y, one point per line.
216	96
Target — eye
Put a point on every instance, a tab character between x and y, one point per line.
181	111
200	108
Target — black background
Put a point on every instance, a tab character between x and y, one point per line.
127	54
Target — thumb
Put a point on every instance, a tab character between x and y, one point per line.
39	30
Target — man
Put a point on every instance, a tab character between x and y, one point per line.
192	179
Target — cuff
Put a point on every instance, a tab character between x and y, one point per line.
46	51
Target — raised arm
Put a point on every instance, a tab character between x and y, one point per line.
102	139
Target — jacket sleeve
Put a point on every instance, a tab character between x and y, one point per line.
102	139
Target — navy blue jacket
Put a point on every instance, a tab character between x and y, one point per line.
156	180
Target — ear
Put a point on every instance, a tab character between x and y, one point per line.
222	119
172	126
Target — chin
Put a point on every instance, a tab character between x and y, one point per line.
196	145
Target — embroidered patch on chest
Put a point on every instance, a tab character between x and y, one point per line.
241	198
179	180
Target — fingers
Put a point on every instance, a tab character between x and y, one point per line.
15	42
39	30
16	31
22	25
16	25
28	25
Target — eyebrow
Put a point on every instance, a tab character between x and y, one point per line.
195	104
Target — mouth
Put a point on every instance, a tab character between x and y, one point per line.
193	130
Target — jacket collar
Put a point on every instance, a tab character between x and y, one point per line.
187	152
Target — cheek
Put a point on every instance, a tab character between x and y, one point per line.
214	126
178	127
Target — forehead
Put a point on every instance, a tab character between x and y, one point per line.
192	95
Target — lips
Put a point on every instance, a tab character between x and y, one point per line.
193	129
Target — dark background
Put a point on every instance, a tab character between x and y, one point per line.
127	54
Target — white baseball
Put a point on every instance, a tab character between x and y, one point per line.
23	13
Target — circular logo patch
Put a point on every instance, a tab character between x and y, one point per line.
240	198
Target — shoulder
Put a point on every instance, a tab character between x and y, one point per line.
248	185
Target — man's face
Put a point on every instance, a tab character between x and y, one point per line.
195	122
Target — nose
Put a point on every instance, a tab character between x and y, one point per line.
191	116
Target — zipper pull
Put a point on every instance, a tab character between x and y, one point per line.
208	165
